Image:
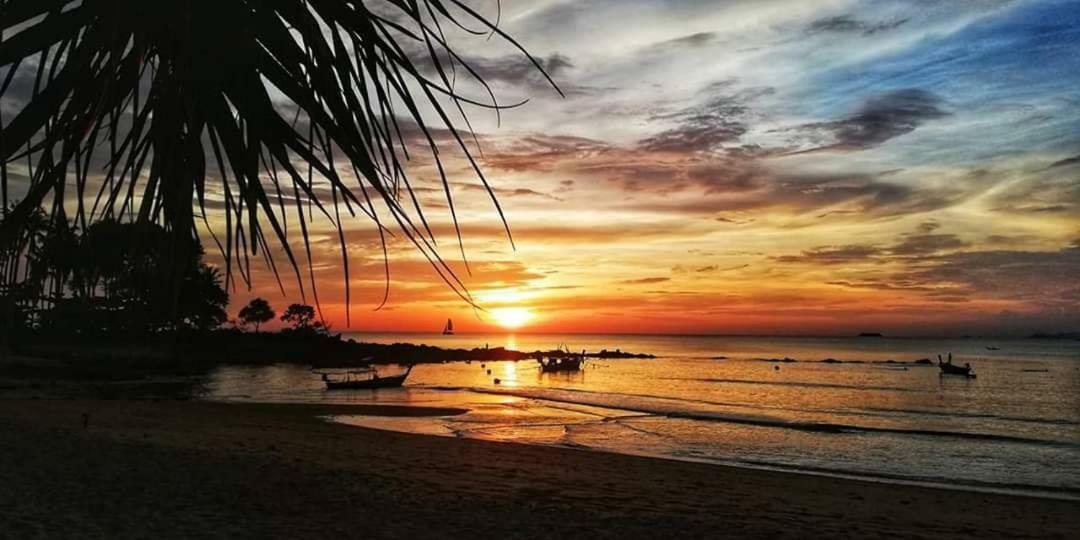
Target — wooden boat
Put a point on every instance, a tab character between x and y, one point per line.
448	330
566	362
948	368
367	379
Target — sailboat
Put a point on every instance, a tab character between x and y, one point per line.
448	330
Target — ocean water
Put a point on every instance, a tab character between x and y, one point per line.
1016	427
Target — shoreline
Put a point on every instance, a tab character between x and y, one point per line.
1017	490
231	468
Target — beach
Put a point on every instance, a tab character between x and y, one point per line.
180	469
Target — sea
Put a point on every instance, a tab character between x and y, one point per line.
857	407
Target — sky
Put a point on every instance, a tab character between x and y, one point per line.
748	167
765	167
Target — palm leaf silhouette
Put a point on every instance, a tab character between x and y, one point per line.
281	109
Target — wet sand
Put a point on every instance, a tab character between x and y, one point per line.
172	469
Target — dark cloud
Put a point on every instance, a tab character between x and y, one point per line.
882	118
1043	277
518	70
870	196
922	244
832	255
543	152
646	281
1036	208
925	244
1066	162
693	40
508	192
848	24
733	221
721	119
837	213
514	69
919	246
699	132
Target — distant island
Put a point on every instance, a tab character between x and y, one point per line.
871	334
1055	335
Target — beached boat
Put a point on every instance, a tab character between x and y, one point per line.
364	379
949	368
448	330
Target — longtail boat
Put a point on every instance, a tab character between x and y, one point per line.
363	379
949	368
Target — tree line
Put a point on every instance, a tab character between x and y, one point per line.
118	278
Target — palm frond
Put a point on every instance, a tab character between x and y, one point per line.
138	110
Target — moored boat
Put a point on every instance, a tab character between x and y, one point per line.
565	362
948	368
365	379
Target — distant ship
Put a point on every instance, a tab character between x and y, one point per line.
871	334
448	330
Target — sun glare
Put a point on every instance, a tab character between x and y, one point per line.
512	317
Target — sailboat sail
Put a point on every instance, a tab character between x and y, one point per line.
449	328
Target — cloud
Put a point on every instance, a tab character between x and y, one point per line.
720	119
831	255
507	192
924	244
646	281
733	221
881	118
1045	278
1066	162
518	70
920	246
539	152
846	24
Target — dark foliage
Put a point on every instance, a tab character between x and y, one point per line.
257	312
153	112
114	279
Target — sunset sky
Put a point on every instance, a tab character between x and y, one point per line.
782	166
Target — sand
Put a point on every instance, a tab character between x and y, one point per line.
172	469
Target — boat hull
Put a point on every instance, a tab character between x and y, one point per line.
367	384
563	366
949	369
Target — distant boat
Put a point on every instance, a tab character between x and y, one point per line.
366	379
948	368
871	334
448	330
992	348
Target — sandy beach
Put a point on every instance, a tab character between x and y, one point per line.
176	469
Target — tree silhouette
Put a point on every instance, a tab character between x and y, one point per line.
256	312
300	316
108	280
147	112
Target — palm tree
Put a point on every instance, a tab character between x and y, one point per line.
139	111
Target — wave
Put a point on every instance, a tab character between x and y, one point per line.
1012	488
804	384
582	398
961	414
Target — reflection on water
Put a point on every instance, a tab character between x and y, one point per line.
1016	425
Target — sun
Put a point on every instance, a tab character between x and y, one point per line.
512	317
